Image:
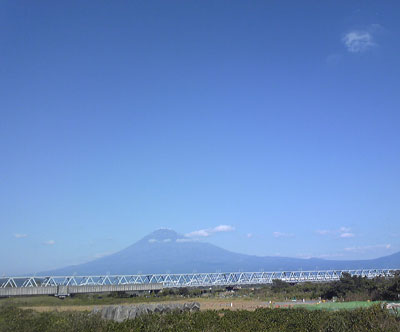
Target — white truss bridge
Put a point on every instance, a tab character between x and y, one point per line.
192	279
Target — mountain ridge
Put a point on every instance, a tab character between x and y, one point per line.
166	251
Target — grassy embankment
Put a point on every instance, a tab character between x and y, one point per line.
374	318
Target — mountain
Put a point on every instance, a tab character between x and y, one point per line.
167	251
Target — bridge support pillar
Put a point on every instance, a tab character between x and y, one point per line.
62	291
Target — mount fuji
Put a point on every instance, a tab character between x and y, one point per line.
165	251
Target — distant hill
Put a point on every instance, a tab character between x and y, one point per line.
167	251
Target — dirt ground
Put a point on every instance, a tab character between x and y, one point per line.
205	304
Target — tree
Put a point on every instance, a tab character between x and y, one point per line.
279	286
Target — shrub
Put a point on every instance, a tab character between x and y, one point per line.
372	319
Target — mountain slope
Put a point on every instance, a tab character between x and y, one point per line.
166	251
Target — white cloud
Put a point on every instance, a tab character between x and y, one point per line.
358	41
50	242
346	235
20	236
161	241
210	231
350	252
328	255
102	254
184	240
280	234
361	249
223	228
199	233
302	255
342	232
249	235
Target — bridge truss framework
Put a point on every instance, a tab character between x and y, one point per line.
192	279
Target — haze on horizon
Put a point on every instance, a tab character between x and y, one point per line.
264	127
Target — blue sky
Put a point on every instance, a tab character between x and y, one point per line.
265	127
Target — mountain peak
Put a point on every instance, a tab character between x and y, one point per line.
166	250
163	235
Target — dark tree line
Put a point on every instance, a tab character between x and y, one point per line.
377	289
348	287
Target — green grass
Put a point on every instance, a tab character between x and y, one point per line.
333	306
374	318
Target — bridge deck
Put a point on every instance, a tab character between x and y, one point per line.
61	290
34	285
